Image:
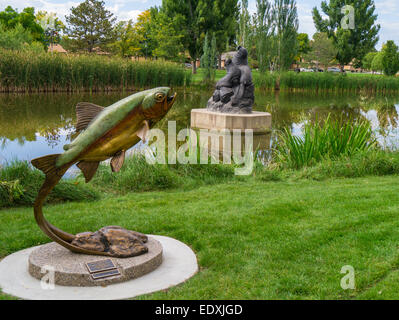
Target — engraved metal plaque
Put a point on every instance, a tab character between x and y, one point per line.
101	265
105	274
102	269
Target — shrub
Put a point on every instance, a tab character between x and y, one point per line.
20	183
137	175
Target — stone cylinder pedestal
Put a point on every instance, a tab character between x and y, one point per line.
225	133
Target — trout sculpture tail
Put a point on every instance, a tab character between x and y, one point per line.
53	176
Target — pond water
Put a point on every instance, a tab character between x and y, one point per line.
40	124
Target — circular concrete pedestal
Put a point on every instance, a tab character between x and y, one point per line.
178	265
70	269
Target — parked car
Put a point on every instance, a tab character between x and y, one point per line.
335	70
188	65
306	70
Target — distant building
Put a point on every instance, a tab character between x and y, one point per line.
55	47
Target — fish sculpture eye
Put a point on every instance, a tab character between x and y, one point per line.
159	97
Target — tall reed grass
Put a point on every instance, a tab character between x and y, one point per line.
328	140
326	81
23	71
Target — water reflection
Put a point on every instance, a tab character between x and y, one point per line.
40	124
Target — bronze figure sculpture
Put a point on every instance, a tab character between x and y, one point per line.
235	92
104	133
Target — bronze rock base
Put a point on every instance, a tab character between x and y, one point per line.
116	241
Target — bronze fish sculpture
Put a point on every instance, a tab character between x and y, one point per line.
104	133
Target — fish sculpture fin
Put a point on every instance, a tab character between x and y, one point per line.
142	132
117	161
89	169
85	113
46	164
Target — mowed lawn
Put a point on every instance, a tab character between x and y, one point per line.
253	240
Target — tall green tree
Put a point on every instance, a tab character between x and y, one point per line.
352	44
195	17
167	36
223	23
264	34
90	25
303	45
125	41
390	58
244	24
286	27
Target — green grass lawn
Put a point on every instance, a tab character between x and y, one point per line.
253	240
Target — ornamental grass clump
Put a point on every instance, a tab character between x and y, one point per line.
329	139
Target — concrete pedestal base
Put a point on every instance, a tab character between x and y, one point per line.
221	139
259	122
70	268
178	265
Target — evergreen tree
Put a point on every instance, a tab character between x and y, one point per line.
322	50
91	25
208	59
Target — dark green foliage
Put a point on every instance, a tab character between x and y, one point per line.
17	38
24	71
20	183
197	17
11	18
390	58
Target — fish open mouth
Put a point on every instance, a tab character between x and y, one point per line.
171	99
